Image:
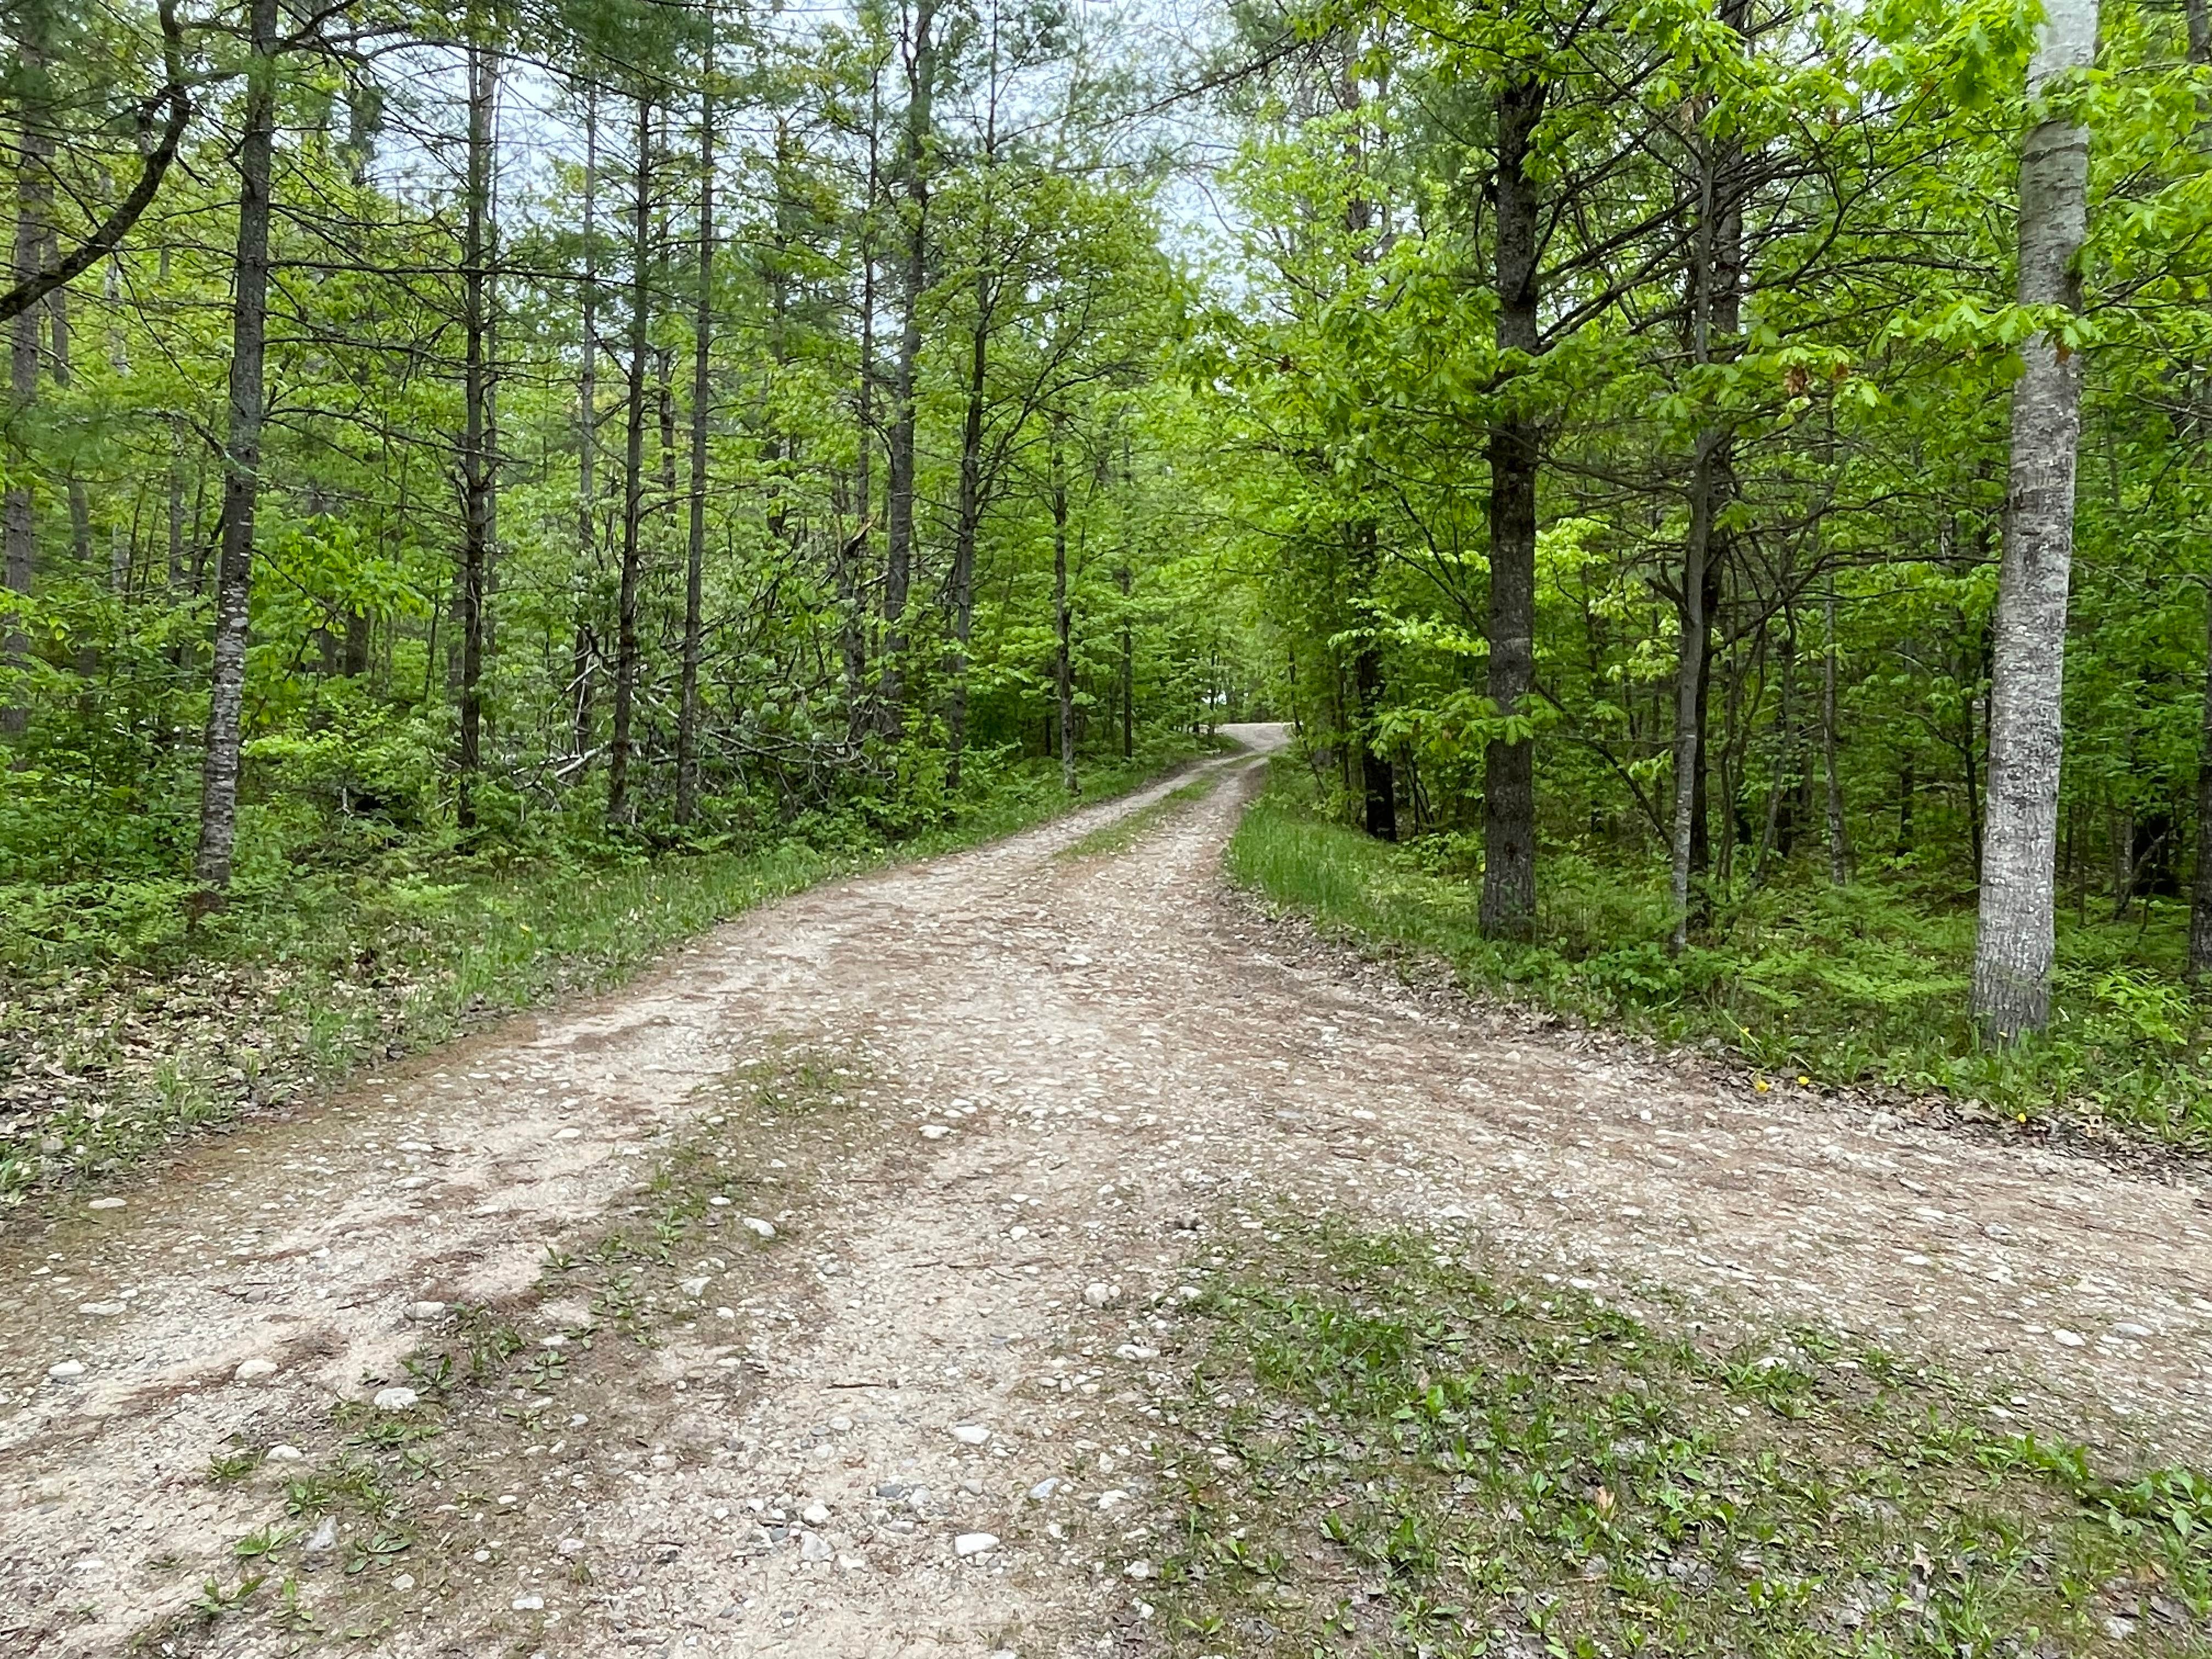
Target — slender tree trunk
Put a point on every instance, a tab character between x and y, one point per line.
476	457
176	504
702	398
1129	672
2015	940
968	519
1507	908
1063	612
63	362
242	483
1716	290
853	561
640	345
898	523
2199	14
1378	782
33	205
1839	847
587	459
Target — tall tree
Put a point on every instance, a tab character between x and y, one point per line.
241	457
916	141
702	400
1508	907
627	660
478	460
1714	313
2016	939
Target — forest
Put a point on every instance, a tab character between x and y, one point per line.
1715	484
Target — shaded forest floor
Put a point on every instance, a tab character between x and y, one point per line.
1038	1251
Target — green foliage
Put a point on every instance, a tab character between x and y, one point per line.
1385	1450
1855	985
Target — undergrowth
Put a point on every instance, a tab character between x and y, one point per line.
119	1029
1385	1451
1853	985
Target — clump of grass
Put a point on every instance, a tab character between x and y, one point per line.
1385	1452
1843	986
1109	840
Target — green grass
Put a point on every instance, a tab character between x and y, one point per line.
1125	832
118	1032
1841	986
1382	1451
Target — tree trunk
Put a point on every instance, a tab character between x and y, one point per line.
1507	908
967	521
587	460
2199	14
1716	301
852	559
1129	672
2016	939
1063	612
1378	783
898	511
1839	848
641	344
476	456
33	204
702	397
242	483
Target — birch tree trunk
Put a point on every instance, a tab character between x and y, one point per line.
241	479
1507	908
702	398
2015	939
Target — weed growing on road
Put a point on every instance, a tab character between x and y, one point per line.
1125	832
418	1505
1384	1451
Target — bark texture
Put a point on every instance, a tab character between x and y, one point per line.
33	205
898	507
632	552
476	446
2015	940
1715	314
242	480
1063	613
1507	908
702	399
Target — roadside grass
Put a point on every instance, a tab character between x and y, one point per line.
116	1036
1109	840
400	1511
1840	986
1382	1451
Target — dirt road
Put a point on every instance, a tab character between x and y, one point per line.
942	1140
